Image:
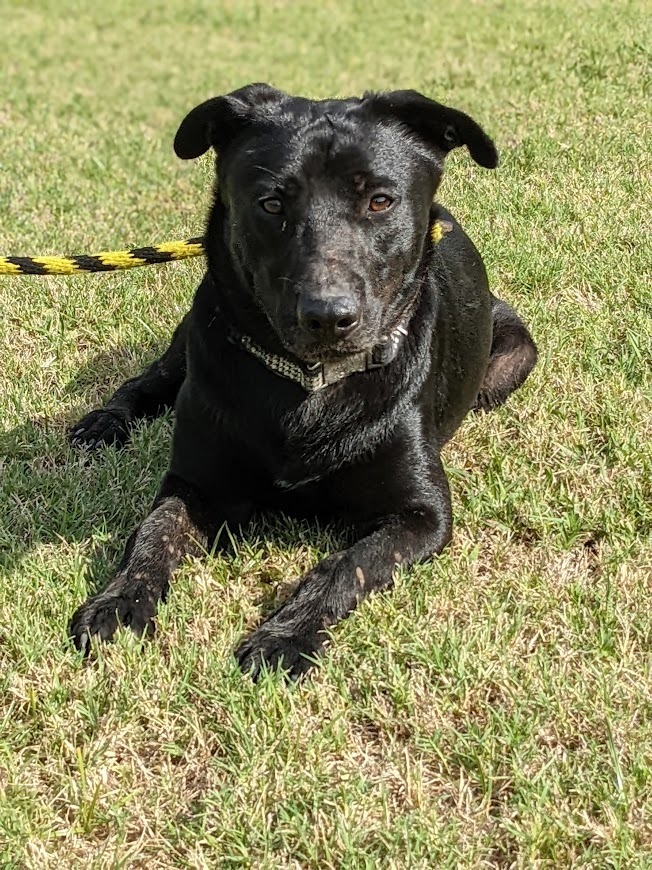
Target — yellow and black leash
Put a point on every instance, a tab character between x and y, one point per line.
105	261
112	261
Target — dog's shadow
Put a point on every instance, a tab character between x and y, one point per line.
56	494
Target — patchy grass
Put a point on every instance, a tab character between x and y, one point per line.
496	710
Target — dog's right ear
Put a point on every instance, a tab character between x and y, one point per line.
215	122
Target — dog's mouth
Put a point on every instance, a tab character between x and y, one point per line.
312	350
314	354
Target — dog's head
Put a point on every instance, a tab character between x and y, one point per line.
327	204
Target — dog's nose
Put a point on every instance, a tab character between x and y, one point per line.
328	318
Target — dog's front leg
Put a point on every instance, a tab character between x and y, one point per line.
145	396
293	635
180	524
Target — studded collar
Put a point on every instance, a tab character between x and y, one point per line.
319	375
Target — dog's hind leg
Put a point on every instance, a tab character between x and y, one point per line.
512	358
144	397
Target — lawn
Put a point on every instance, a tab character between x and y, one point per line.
496	709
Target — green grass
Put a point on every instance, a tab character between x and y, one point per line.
496	709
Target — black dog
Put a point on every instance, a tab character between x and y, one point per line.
342	332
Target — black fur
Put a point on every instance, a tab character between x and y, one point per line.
321	207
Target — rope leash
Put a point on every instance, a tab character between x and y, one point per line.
105	261
113	261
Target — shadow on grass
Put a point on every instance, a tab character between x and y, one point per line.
54	494
51	492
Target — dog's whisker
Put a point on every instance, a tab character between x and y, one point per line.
269	172
289	281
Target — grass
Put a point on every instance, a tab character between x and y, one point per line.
496	709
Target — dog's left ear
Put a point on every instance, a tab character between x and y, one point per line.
218	120
437	125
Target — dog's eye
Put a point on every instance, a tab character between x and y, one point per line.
380	202
272	205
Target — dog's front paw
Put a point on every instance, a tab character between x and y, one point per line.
294	654
99	428
101	615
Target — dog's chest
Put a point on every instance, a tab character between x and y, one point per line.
323	434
